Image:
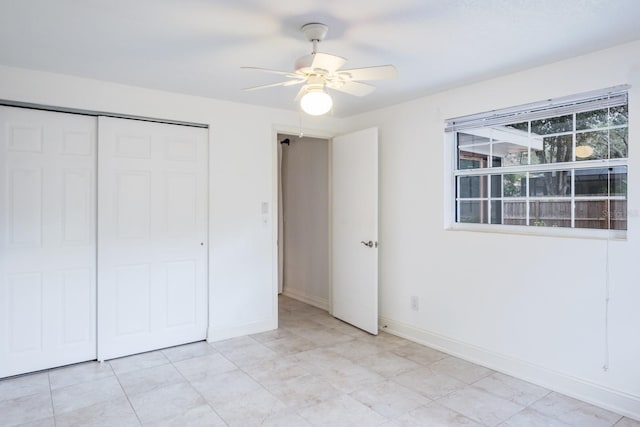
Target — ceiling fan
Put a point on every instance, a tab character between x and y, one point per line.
321	71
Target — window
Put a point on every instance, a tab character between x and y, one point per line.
561	163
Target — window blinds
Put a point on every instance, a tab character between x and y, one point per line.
610	97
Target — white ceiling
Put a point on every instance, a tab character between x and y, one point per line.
198	46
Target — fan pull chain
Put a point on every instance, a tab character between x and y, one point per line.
300	134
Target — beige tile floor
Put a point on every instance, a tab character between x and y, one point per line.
313	371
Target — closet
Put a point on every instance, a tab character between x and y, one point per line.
103	237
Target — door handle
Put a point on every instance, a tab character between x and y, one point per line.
369	243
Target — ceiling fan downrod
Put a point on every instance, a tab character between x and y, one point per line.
315	32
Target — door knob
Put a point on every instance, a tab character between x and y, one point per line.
369	243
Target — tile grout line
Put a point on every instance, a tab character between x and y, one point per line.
125	393
288	409
541	413
619	421
53	409
249	375
307	372
501	397
395	382
194	388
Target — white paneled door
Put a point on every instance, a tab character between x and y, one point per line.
47	239
152	236
354	229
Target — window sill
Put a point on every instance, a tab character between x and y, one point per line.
572	233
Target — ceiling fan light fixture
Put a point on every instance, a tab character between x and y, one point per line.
316	102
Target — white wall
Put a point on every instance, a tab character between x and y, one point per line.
527	305
306	220
242	175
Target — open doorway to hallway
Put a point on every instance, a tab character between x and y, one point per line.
303	223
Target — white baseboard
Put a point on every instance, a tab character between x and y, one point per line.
218	334
320	303
615	400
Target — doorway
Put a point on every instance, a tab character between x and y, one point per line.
329	224
303	220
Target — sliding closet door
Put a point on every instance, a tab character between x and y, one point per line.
152	236
47	239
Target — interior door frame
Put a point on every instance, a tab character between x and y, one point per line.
312	133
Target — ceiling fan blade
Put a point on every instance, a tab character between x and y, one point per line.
268	70
327	62
352	88
380	72
294	82
285	83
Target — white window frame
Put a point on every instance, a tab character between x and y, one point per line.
550	108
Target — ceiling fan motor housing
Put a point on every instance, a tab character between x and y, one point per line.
304	65
315	31
315	83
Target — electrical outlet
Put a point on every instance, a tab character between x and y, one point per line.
415	303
